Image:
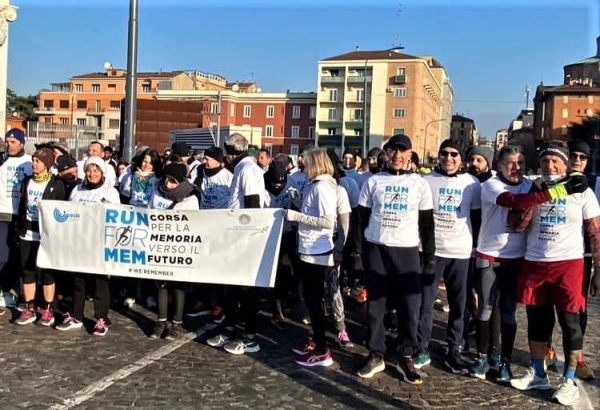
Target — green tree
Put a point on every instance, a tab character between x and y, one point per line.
25	106
586	130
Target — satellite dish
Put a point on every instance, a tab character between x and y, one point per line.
235	88
108	66
259	90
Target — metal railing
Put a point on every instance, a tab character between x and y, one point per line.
75	137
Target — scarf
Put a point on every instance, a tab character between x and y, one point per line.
40	178
89	186
177	194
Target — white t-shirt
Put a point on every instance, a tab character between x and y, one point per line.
247	180
496	238
320	199
216	190
395	202
106	193
35	191
343	201
189	203
453	200
12	172
556	229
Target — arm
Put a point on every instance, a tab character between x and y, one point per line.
475	225
427	234
322	222
592	230
252	201
524	201
342	235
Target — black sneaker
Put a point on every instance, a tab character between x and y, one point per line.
174	331
159	329
454	362
374	364
406	367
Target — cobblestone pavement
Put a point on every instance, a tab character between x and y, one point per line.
47	369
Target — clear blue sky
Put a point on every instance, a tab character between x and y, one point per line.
490	52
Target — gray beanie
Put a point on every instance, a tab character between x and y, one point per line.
485	152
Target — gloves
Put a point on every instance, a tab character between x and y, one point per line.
595	287
429	268
292	216
576	183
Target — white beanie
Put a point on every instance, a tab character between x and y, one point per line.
96	161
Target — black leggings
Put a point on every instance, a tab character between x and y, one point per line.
540	322
313	284
29	251
178	289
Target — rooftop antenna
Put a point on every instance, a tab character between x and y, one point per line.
527	91
396	44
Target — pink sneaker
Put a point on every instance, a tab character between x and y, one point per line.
47	318
26	317
101	328
305	348
315	358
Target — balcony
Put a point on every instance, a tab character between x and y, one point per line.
330	123
328	79
44	111
97	111
400	79
359	79
354	124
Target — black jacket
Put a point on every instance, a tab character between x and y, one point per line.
55	190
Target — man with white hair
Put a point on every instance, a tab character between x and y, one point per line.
247	190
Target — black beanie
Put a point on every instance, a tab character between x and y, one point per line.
579	146
351	152
177	170
556	148
215	153
374	152
451	143
277	172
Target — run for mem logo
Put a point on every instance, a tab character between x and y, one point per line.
62	216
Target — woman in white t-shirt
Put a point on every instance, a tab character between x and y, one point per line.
174	192
92	190
315	247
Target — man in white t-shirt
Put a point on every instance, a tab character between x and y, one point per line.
457	214
247	191
395	211
552	272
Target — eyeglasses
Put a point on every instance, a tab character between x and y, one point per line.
453	154
582	157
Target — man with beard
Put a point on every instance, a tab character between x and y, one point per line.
479	161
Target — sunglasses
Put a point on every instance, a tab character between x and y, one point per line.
453	154
582	157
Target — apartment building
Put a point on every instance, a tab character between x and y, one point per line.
464	129
95	99
279	122
501	138
375	94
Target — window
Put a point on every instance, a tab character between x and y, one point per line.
295	131
95	88
98	106
331	131
145	88
232	110
270	111
396	131
401	71
332	114
269	131
48	103
247	111
360	95
82	104
565	113
113	124
590	112
400	92
564	130
115	105
357	133
214	108
565	99
399	112
313	112
112	88
311	132
333	95
296	111
64	104
63	121
78	88
81	121
48	120
590	99
269	147
358	114
294	149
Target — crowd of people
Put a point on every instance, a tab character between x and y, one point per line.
380	228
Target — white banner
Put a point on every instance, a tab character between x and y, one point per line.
235	247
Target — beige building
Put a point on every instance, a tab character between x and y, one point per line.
501	138
399	93
464	130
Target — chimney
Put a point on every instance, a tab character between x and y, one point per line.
598	46
357	46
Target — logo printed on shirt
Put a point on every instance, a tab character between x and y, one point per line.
395	198
554	212
449	200
34	198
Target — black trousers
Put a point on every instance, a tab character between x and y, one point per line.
395	270
101	296
313	285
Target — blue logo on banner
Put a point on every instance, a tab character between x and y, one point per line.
63	216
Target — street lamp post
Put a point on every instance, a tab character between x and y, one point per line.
425	137
131	83
364	116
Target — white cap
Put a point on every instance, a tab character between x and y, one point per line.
96	161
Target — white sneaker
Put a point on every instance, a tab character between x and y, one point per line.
531	381
129	302
567	393
8	299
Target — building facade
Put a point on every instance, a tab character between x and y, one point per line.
586	71
373	95
464	130
501	138
286	121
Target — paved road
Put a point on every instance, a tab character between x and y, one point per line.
46	369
